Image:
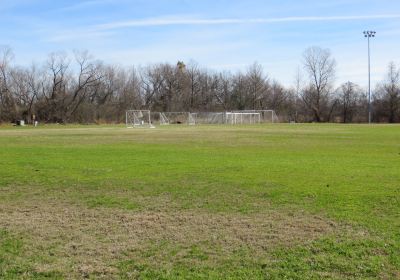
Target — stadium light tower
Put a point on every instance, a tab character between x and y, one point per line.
368	35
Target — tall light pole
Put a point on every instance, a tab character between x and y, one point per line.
368	35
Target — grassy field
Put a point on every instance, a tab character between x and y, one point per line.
247	202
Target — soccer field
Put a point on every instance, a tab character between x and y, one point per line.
312	201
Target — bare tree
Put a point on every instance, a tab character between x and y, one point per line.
89	76
277	97
152	80
257	85
170	87
349	95
239	87
7	106
389	94
320	67
53	107
193	75
86	90
223	90
131	95
296	93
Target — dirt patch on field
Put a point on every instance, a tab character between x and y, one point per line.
82	242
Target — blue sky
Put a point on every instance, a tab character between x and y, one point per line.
217	34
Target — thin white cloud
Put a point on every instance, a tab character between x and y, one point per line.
102	30
194	21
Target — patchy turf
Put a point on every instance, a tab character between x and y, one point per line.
273	201
79	240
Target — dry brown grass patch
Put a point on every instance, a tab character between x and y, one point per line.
80	242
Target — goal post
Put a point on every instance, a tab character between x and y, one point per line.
183	118
266	116
242	118
138	118
209	117
163	119
191	119
274	117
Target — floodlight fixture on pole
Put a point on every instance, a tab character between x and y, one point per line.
368	35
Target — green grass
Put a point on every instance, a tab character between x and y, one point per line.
13	261
348	175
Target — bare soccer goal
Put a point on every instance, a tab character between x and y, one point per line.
138	118
208	117
266	116
177	118
242	118
163	119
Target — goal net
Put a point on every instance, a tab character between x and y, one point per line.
192	119
138	118
145	118
242	118
177	118
209	117
266	116
163	119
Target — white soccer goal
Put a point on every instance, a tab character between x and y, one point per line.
178	118
145	118
266	116
192	118
242	118
163	119
209	117
138	118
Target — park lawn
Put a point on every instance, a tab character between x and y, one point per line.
294	201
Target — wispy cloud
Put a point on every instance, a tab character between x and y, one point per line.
102	30
195	21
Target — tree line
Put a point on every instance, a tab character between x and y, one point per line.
80	89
